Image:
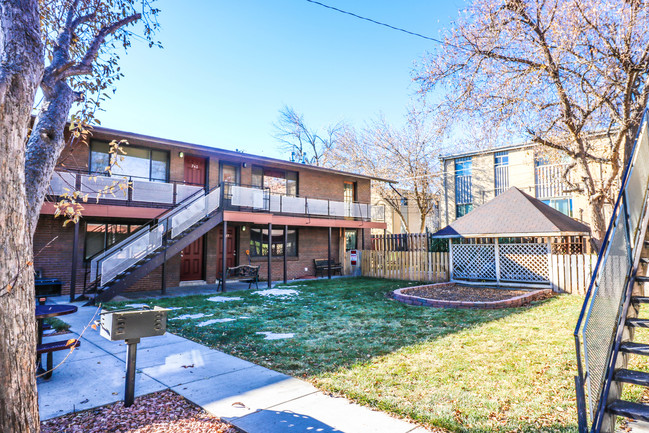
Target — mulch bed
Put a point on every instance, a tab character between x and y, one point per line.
163	411
463	293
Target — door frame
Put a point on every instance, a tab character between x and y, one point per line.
219	248
234	164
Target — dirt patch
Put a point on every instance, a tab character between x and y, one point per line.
463	293
451	295
159	412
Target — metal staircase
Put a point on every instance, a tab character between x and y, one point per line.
604	335
121	265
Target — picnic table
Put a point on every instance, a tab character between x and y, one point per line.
44	312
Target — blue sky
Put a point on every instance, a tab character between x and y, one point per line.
228	67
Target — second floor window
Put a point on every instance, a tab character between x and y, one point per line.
139	163
501	172
549	179
463	193
277	181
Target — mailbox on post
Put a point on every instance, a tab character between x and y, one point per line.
131	325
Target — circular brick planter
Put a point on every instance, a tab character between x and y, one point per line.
402	295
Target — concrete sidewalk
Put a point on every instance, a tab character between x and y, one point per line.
253	398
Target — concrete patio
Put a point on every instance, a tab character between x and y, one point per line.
253	398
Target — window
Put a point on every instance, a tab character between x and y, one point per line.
139	163
100	236
259	242
351	240
463	194
501	172
349	193
563	205
282	182
549	179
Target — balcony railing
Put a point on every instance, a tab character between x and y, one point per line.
235	197
256	199
140	190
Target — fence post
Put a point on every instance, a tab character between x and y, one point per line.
550	270
497	257
450	259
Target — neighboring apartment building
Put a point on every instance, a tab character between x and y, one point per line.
410	211
474	178
248	197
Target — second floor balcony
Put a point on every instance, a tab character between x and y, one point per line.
131	191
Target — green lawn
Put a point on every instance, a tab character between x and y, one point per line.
463	370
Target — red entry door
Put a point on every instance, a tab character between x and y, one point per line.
191	262
230	254
194	170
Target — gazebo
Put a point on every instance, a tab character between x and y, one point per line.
509	240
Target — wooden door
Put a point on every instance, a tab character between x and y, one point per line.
191	262
194	170
230	254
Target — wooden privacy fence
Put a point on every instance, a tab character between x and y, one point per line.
570	273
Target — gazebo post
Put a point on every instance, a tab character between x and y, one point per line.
450	259
550	274
497	258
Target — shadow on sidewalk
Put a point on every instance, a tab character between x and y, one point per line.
282	421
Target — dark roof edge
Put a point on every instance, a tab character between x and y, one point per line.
184	144
502	148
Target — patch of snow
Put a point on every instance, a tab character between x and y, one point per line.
224	298
276	292
190	316
274	336
211	321
244	317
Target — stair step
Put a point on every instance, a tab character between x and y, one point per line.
638	323
631	376
640	299
644	260
642	279
629	410
635	348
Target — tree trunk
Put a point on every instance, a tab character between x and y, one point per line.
598	224
21	69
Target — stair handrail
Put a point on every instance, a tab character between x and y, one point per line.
619	210
161	221
147	224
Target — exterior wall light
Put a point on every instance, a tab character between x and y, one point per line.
245	164
181	154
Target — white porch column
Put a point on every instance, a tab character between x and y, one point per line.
450	259
497	257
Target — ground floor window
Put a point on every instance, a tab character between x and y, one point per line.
259	242
462	209
100	236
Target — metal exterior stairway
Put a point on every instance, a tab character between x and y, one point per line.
118	267
604	335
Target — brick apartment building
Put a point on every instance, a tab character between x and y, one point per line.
170	221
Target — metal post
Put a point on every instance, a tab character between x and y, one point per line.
329	255
270	253
362	239
131	353
75	259
223	258
163	289
285	244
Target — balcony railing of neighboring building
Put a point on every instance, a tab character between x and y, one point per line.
549	181
236	197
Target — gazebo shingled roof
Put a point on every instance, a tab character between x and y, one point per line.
513	214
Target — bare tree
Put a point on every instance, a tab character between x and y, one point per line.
408	155
67	48
304	144
557	71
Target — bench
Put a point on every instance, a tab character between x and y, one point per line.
55	346
245	273
322	266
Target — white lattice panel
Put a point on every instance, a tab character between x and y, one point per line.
524	262
474	262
